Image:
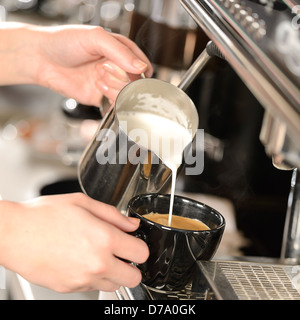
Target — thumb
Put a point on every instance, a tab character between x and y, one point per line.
106	213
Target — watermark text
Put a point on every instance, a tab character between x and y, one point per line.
116	148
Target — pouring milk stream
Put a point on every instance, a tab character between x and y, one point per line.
166	138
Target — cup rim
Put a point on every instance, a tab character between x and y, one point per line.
160	226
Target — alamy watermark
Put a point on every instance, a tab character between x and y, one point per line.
287	41
116	148
2	279
296	19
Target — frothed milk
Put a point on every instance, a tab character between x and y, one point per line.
166	138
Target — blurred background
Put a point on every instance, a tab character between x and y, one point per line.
42	135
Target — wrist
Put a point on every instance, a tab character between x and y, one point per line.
18	59
8	215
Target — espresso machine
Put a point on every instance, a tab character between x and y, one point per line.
260	40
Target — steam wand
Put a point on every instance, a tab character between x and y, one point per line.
213	146
210	51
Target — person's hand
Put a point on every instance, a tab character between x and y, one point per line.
78	61
71	243
83	62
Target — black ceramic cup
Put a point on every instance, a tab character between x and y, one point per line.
174	252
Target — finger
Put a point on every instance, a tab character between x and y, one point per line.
137	51
133	77
123	249
124	274
106	285
113	70
113	77
123	53
119	243
105	212
109	92
126	247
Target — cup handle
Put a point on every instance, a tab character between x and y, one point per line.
140	235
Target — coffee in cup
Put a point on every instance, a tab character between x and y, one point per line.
174	251
177	222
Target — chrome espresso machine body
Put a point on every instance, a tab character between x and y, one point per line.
260	39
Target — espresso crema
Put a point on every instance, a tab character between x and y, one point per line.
177	222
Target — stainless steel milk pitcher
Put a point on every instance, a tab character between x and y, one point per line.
114	168
109	171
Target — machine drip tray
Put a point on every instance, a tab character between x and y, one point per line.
251	281
232	280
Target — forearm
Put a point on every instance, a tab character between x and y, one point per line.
18	59
8	224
